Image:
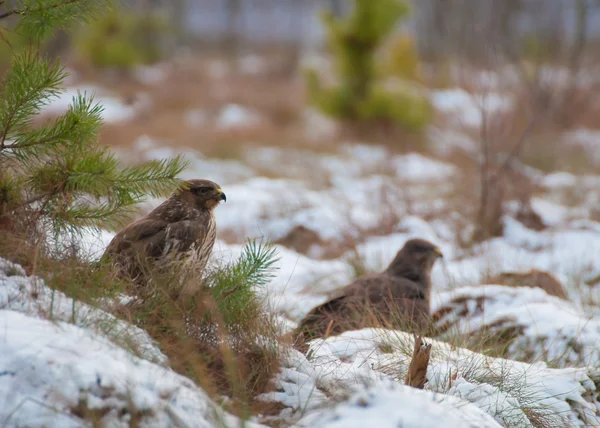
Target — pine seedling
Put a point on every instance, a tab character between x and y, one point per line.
55	177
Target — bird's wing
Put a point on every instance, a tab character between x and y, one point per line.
135	233
405	288
316	322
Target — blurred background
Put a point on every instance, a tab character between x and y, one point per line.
461	112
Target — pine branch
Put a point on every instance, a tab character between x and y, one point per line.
40	18
28	87
28	11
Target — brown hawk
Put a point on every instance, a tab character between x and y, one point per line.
183	225
396	298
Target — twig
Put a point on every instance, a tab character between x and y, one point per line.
30	201
417	371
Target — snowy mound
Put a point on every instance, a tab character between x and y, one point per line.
31	296
55	374
394	405
515	394
544	327
569	253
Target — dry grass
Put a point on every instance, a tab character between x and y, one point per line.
219	334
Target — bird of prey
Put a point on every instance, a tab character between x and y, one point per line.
183	225
396	298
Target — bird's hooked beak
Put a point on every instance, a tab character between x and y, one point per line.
221	195
438	253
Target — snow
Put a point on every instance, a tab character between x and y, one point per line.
31	296
297	279
51	372
151	74
236	116
317	126
361	370
392	405
443	141
587	139
559	179
114	110
568	254
89	242
222	171
547	327
415	167
467	108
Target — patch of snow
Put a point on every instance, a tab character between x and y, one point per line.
559	179
547	328
53	371
31	296
295	383
151	74
89	242
390	404
443	141
297	279
114	110
567	253
468	108
236	116
370	154
587	139
317	126
552	214
416	167
222	171
503	389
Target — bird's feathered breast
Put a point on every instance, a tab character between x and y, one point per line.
171	227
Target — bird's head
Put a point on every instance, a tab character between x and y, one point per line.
415	258
201	194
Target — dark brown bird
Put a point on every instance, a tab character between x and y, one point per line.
183	225
396	298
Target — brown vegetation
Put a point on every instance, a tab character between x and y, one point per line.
417	370
534	278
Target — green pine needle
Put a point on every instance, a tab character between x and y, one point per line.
57	173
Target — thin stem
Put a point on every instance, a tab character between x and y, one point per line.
30	201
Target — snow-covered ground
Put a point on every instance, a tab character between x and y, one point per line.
364	364
60	362
356	377
379	199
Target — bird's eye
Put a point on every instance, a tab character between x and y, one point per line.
201	190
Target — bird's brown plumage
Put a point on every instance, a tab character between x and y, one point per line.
183	225
397	298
